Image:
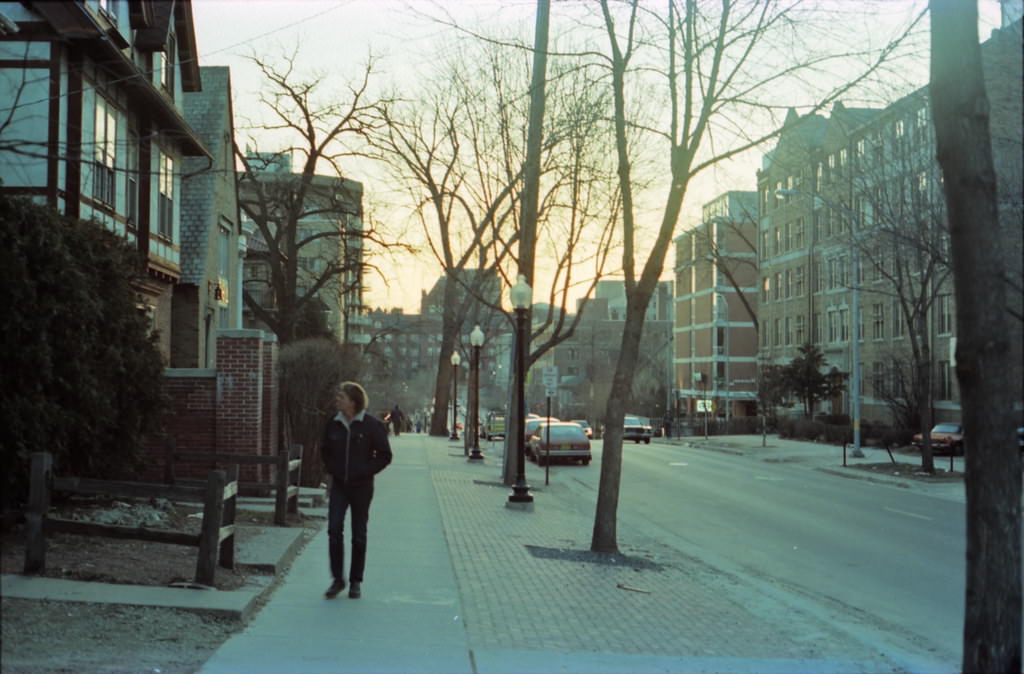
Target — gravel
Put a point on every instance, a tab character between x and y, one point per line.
46	637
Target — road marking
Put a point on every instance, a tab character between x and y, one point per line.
904	512
679	464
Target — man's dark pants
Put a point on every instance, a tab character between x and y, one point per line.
342	497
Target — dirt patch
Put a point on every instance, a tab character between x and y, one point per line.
910	471
112	560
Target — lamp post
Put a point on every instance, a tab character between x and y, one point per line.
854	315
521	295
476	339
455	395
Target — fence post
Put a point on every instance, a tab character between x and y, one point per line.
281	493
35	515
170	446
293	503
209	537
227	546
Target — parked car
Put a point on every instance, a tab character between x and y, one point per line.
636	429
561	441
1020	437
946	438
585	426
531	425
494	426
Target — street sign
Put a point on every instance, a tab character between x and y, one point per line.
551	376
705	405
551	391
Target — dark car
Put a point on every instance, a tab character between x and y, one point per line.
585	426
1020	437
636	429
946	438
561	441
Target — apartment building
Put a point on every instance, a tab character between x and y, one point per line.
716	310
329	242
92	124
853	244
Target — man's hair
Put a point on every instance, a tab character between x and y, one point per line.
356	394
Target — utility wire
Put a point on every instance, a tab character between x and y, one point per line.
149	73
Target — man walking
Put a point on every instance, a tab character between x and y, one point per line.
397	419
354	448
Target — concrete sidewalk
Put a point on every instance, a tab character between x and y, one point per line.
409	618
457	582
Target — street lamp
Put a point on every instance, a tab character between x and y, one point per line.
455	395
521	295
854	316
476	339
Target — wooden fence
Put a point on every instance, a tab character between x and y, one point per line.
216	539
287	464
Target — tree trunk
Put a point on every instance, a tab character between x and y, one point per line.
992	621
605	535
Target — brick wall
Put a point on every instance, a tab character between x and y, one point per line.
232	409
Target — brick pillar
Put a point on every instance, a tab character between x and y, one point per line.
240	396
270	407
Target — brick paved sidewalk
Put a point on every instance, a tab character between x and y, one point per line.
536	599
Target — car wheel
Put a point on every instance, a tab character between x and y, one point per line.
647	441
586	462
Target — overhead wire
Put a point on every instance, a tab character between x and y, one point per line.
149	73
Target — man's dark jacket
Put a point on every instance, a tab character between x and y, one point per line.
355	454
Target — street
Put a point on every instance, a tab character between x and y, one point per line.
873	557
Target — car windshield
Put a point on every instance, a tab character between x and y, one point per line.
946	428
632	421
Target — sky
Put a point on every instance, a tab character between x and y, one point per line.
336	37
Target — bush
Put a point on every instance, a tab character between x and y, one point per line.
82	373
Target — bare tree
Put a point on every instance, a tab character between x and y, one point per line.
709	61
458	151
310	223
893	213
992	621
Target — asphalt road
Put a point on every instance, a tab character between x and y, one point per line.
878	558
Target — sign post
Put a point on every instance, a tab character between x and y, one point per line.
550	391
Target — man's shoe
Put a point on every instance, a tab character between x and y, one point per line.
354	591
335	588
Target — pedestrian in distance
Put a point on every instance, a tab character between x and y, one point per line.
397	419
354	448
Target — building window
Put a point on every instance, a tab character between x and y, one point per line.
800	338
165	214
816	328
798	281
132	178
105	152
816	276
798	234
844	325
788	333
778	286
223	251
787	237
776	247
764	245
777	336
878	378
945	314
788	291
878	321
766	286
897	319
833	326
943	381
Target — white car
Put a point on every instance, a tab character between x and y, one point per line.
636	429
